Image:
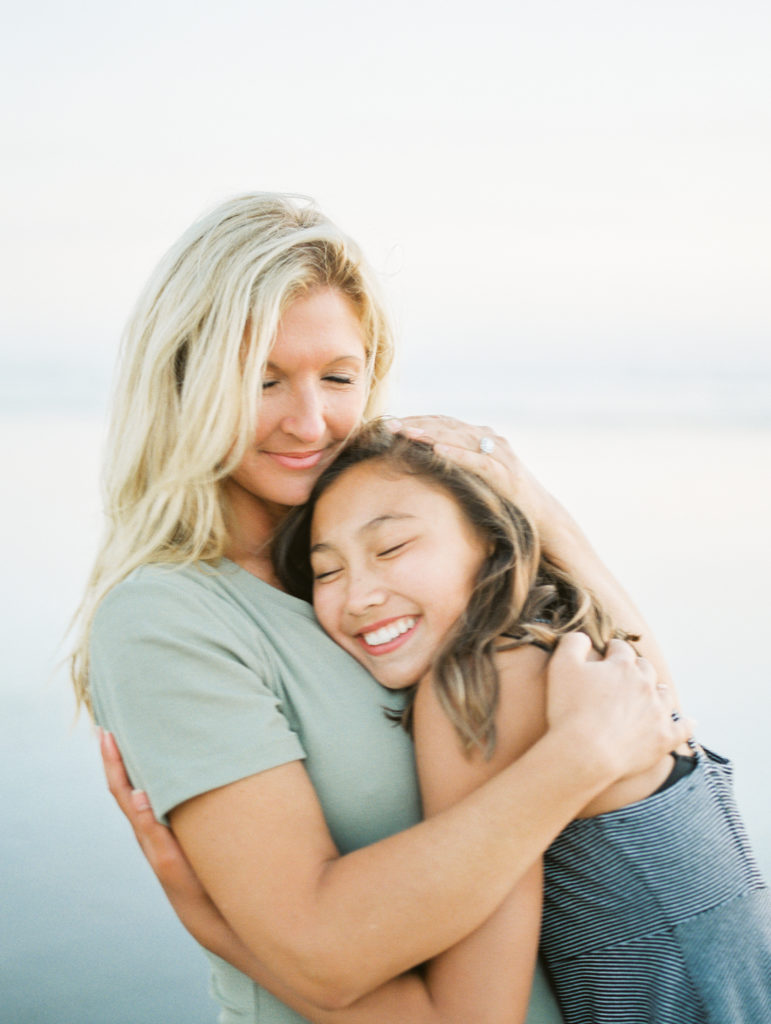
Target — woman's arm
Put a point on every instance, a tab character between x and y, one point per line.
408	998
331	929
561	537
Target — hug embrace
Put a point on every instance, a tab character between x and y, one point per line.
390	726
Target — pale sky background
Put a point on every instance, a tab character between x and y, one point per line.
569	201
536	180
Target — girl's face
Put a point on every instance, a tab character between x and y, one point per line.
314	392
394	563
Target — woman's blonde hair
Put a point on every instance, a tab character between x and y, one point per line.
189	375
520	595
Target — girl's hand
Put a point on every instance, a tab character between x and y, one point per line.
613	705
187	896
499	466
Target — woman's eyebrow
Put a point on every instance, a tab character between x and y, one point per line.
372	524
342	358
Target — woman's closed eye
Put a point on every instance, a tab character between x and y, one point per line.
339	379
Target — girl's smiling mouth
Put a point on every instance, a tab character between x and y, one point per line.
384	637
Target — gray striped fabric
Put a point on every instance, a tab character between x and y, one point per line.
657	913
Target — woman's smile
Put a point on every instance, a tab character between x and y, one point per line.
300	460
314	392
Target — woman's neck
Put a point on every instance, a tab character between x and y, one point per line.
251	525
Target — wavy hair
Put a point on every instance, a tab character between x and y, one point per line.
188	381
520	596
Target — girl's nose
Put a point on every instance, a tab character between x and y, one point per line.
363	593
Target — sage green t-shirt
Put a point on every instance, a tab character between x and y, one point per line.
207	675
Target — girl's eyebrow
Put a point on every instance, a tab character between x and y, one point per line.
366	528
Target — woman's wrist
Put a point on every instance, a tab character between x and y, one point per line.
585	753
561	537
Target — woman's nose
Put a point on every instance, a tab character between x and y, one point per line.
305	417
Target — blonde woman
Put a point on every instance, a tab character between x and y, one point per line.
258	346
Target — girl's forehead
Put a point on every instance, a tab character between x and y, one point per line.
378	479
375	492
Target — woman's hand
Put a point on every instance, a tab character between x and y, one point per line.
614	706
561	538
498	465
187	896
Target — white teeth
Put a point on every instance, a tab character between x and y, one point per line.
389	632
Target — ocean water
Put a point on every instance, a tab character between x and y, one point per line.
678	506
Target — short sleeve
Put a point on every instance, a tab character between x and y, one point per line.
184	681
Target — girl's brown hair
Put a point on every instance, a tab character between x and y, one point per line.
521	596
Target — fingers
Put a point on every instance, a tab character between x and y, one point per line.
573	647
683	730
495	462
140	801
133	802
493	472
114	770
620	651
446	431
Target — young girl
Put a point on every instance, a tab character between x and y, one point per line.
654	909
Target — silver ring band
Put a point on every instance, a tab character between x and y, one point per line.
486	445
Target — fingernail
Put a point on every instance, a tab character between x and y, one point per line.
139	800
414	432
393	424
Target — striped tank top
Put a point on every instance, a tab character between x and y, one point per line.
657	913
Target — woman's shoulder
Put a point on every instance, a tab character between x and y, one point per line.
161	594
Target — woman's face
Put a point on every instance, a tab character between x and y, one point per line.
314	392
394	563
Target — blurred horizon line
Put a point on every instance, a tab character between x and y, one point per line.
558	391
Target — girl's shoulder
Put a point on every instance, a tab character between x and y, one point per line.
521	714
521	670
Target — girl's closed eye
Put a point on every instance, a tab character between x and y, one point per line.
326	576
323	573
393	549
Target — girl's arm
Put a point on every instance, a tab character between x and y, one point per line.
487	976
326	930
